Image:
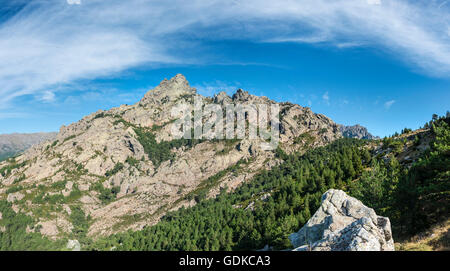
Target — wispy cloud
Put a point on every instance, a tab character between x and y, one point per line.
47	96
74	2
14	115
48	44
326	98
104	95
388	104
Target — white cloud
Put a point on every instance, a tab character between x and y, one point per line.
49	43
326	98
442	4
13	115
344	45
374	2
47	96
74	2
388	104
303	39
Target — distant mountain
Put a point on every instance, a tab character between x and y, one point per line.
12	144
356	131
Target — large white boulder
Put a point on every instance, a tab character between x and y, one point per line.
343	223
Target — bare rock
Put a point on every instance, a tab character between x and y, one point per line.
48	228
73	245
343	223
15	197
222	98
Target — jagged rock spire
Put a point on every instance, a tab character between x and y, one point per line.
222	98
173	88
241	95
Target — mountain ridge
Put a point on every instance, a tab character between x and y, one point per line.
125	169
120	174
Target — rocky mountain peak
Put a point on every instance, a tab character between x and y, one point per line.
241	95
222	98
170	89
178	81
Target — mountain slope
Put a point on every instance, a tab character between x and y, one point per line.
122	168
435	239
263	212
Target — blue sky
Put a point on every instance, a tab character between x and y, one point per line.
381	64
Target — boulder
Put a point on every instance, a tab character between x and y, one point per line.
343	223
73	245
15	197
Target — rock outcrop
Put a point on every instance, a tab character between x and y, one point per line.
73	245
343	223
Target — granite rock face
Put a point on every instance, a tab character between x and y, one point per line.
343	223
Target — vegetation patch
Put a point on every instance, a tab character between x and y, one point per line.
127	220
69	138
106	195
19	179
305	138
162	151
132	161
6	170
80	223
117	167
14	189
15	236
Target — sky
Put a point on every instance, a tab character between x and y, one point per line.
383	64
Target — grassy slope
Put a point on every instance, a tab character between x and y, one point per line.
435	239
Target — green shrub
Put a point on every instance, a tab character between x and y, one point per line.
60	185
14	189
117	167
6	170
132	161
